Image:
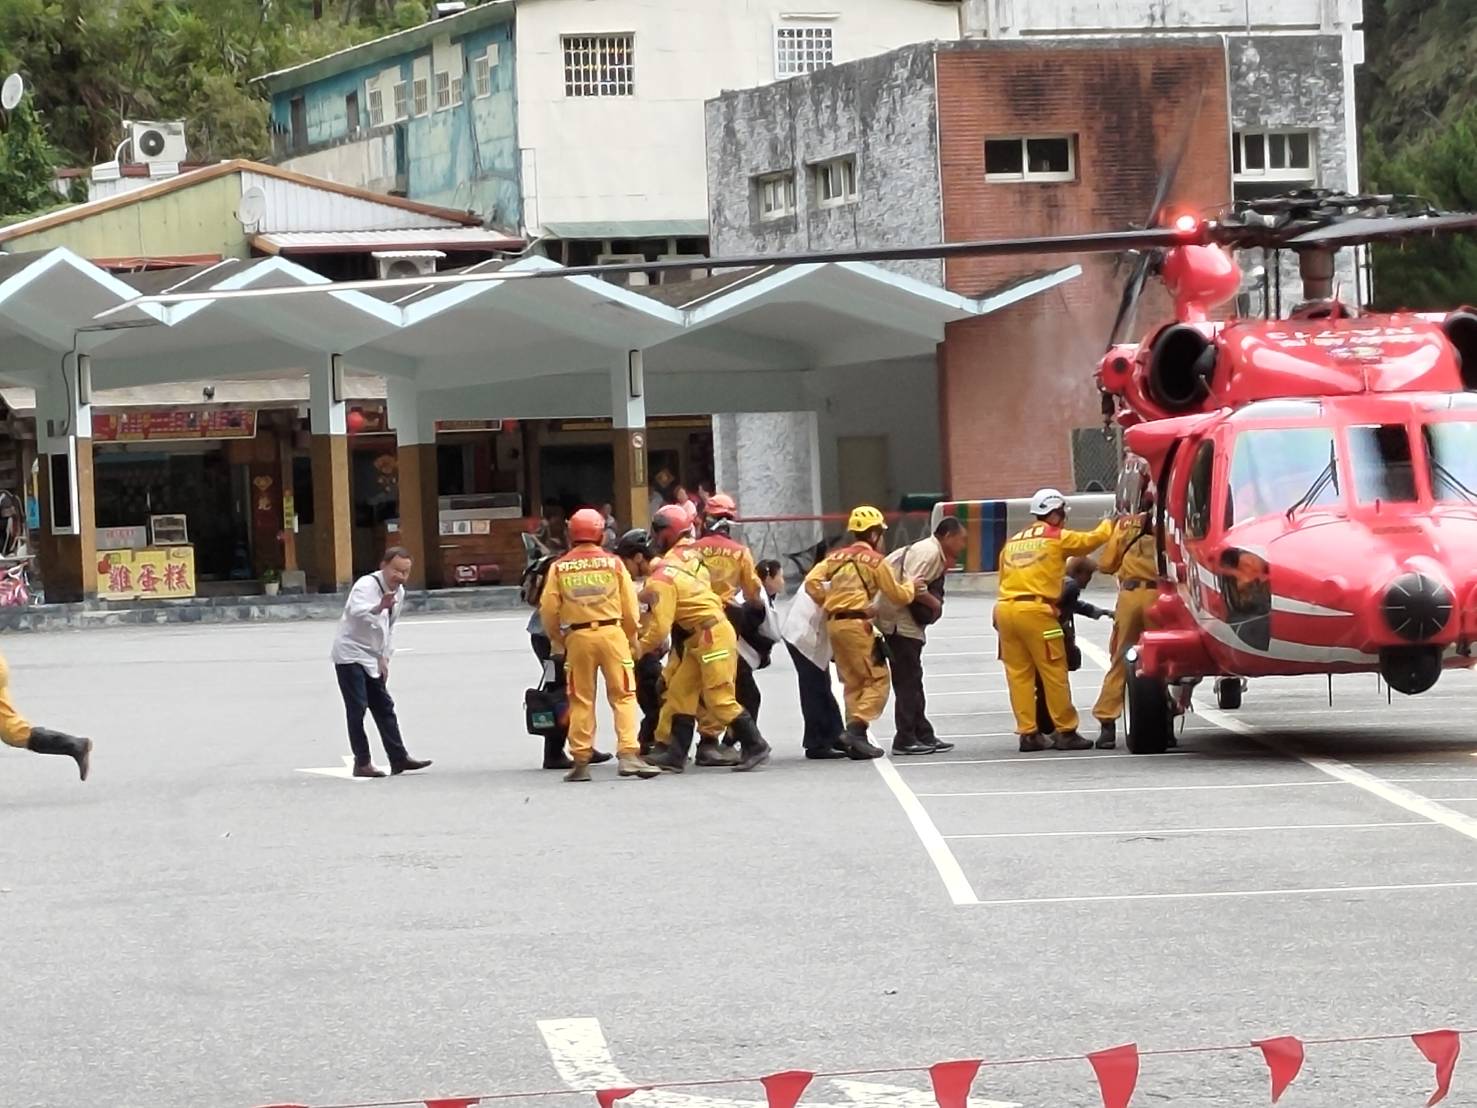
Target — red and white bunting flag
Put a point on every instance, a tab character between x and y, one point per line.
784	1089
952	1082
1117	1070
1284	1056
608	1097
1441	1049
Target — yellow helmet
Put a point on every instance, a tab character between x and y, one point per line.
864	519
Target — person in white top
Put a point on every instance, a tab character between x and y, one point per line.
804	632
361	657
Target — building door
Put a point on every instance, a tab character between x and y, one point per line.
299	119
861	461
577	476
351	110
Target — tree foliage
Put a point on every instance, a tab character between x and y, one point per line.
91	64
27	164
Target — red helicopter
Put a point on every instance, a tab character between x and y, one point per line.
1317	474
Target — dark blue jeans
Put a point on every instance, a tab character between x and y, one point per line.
823	723
363	691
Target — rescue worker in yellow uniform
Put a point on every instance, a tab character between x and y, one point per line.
17	732
1032	642
1132	555
731	571
845	585
680	599
589	613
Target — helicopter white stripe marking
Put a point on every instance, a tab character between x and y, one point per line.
1305	608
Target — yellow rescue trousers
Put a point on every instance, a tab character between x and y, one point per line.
1033	646
1130	616
605	651
866	680
704	677
14	730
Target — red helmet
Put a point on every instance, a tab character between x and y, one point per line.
670	517
721	506
586	525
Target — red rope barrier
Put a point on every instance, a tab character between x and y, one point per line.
1000	1063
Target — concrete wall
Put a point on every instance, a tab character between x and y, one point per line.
640	157
882	110
200	219
464	156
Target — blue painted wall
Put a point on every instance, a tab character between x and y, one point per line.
465	157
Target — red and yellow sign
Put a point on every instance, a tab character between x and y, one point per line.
163	424
161	573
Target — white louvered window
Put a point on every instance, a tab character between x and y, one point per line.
802	48
402	101
599	65
376	107
482	76
443	91
422	96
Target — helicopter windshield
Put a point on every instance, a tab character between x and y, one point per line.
1274	469
1451	449
1379	455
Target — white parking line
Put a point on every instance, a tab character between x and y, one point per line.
1341	772
1191	830
960	890
1149	789
1226	894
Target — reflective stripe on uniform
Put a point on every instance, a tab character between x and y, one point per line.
714	656
1054	633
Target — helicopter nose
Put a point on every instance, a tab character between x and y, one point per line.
1416	607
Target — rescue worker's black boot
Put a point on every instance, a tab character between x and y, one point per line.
600	757
1107	735
755	749
43	740
858	747
1071	740
1034	742
711	753
673	758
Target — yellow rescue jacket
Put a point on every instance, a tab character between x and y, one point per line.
677	595
585	586
856	574
1131	552
730	567
1034	561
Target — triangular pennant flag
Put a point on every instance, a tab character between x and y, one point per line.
1117	1070
952	1082
454	1102
1441	1049
608	1097
1284	1057
784	1089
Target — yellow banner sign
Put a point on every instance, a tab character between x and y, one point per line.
162	573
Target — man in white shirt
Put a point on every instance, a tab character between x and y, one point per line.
927	560
361	657
804	632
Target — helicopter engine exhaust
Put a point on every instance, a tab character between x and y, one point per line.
1410	669
1461	331
1181	363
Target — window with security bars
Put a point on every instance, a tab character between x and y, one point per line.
599	65
1096	459
802	49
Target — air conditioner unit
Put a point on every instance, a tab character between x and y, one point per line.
406	263
631	279
696	273
157	142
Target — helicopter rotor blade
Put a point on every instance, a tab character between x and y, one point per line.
1353	232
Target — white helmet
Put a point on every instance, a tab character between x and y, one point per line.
1047	501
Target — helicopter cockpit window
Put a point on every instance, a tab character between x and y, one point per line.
1275	469
1381	461
1451	450
1197	495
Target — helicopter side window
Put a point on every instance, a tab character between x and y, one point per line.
1197	496
1380	458
1451	450
1275	469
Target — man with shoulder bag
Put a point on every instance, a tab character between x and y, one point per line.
902	627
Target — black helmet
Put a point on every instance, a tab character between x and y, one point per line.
633	542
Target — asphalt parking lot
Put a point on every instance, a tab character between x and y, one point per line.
222	917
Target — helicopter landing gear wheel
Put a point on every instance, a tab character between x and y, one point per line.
1150	717
1228	693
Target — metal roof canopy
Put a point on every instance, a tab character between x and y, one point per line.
518	348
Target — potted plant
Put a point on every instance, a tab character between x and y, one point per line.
271	581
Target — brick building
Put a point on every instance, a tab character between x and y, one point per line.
978	140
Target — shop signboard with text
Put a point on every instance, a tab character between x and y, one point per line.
160	573
165	424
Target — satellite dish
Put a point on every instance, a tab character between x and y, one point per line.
12	91
252	207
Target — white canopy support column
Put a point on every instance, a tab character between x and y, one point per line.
331	554
628	438
420	516
68	508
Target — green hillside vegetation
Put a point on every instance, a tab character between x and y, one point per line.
90	64
1418	104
